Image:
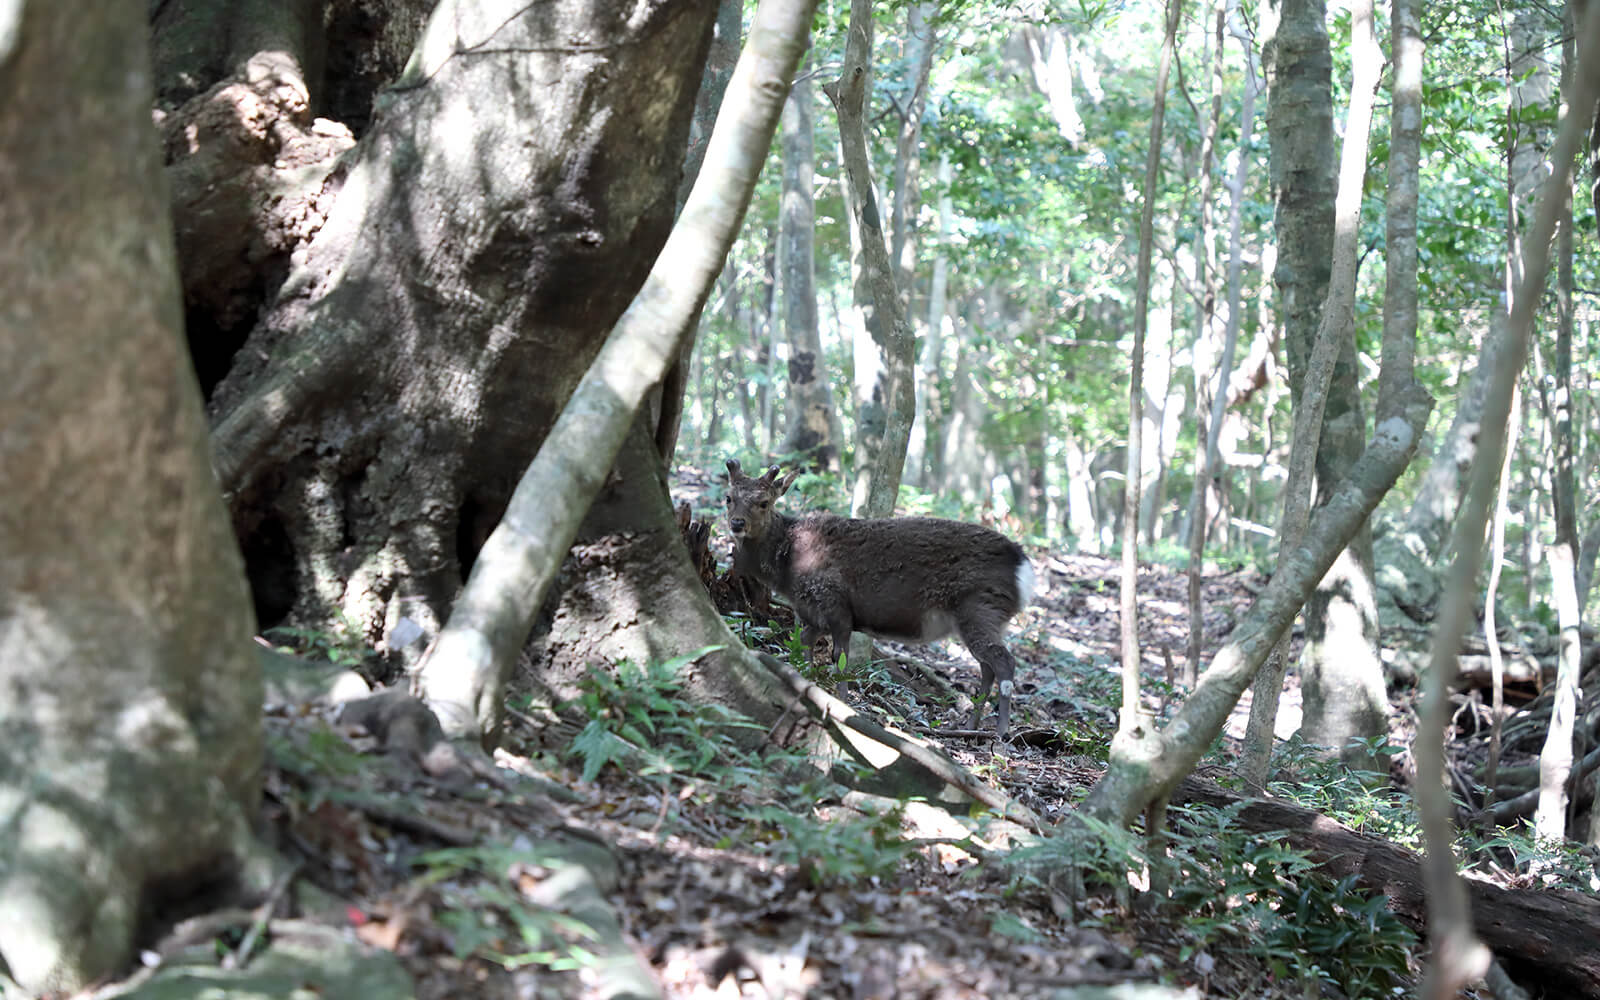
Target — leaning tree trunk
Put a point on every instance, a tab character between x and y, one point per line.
130	735
370	432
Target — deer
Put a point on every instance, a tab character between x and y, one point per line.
911	579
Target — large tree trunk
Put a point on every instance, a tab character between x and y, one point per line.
465	674
370	432
255	109
129	698
627	591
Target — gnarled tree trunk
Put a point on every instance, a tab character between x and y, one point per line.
487	235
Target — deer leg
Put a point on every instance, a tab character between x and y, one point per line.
983	637
827	615
983	694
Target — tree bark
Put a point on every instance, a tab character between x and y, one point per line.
921	41
888	406
814	430
465	676
667	401
925	450
1342	677
130	701
370	433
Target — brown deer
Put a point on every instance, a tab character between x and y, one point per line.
914	579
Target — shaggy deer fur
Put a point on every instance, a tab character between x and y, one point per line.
915	579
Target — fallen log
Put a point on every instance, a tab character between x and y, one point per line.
1543	937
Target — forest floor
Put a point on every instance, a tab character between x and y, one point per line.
721	888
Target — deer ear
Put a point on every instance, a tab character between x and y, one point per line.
787	481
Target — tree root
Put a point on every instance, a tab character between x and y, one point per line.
901	762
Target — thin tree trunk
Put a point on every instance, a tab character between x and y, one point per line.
1335	334
1491	595
1205	259
1457	957
921	41
720	61
885	413
1130	719
925	451
1208	471
1555	760
814	430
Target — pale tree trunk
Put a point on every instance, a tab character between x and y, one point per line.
130	700
924	452
814	431
1457	956
1050	59
1555	759
921	41
1206	349
1208	462
1130	720
1438	500
1342	676
465	675
1080	524
1162	416
1445	479
1491	597
772	337
885	410
963	472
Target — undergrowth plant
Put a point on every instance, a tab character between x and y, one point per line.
342	643
1561	864
837	852
1253	894
640	718
488	916
640	721
1363	800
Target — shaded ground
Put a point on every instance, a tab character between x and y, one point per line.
701	890
722	885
